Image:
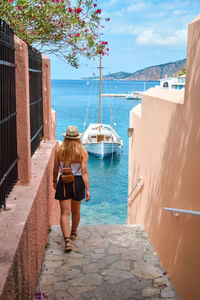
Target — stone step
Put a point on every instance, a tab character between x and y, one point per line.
108	262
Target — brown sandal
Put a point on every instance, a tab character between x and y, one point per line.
73	234
68	246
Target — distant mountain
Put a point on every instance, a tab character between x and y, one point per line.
150	73
118	75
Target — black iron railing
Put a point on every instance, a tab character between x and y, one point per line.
8	137
36	100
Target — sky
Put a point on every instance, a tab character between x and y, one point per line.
140	34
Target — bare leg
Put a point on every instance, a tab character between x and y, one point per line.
65	207
76	212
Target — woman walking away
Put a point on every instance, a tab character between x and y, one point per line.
70	179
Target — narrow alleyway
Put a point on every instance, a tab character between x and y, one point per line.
108	262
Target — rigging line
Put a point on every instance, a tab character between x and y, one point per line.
109	104
88	106
93	93
94	108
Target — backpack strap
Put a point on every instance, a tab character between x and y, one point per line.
72	180
78	169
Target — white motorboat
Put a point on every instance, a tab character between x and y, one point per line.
134	96
101	139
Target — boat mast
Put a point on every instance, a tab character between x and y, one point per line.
100	90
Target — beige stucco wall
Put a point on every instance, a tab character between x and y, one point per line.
164	149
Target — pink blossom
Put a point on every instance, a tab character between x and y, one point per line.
95	5
19	7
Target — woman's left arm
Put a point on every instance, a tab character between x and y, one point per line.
55	170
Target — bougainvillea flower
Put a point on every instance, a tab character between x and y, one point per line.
98	11
78	10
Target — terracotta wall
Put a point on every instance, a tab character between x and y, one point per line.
164	149
24	225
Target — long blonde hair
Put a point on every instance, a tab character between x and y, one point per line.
71	151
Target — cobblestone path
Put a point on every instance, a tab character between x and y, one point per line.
108	262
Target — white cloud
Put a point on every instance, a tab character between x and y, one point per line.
151	37
137	6
111	3
122	29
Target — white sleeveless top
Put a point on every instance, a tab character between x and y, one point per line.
76	169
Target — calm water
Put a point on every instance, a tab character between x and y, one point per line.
76	102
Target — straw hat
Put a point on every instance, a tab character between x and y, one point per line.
72	133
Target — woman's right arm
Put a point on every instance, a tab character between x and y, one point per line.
85	176
55	170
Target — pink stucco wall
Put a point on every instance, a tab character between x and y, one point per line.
24	228
53	124
46	85
30	206
164	149
23	111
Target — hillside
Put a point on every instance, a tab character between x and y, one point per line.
150	73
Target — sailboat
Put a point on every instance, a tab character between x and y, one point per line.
101	139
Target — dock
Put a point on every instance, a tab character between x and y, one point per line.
135	95
114	95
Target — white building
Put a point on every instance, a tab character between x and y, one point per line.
177	83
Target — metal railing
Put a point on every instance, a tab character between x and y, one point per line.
175	211
134	187
36	97
8	136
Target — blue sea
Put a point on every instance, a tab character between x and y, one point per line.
76	103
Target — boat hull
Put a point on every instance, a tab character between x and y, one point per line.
102	149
